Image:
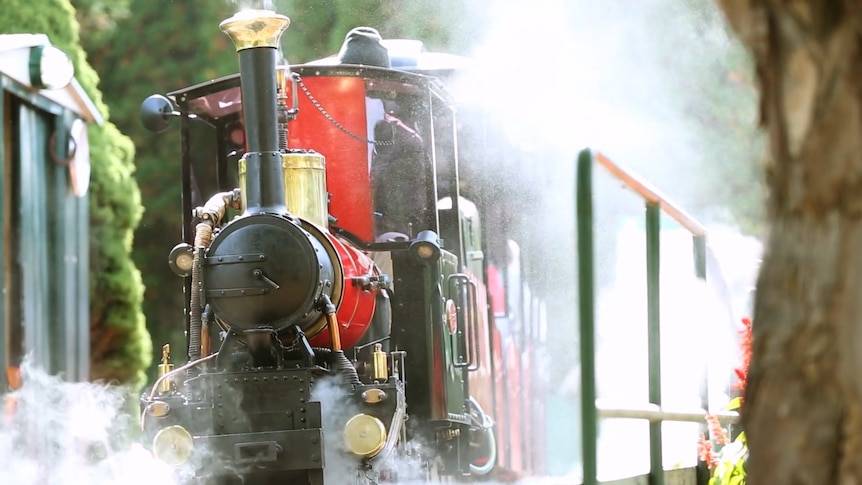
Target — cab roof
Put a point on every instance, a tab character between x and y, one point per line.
411	56
221	98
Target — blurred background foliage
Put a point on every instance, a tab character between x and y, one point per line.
142	47
119	340
717	97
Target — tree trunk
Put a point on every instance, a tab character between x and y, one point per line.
803	406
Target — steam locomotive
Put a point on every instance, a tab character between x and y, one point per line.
352	316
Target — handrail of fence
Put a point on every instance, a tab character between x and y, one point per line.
591	410
654	413
651	195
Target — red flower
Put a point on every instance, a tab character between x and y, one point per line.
704	451
745	345
717	433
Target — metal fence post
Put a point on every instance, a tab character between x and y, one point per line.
654	412
653	233
5	184
586	302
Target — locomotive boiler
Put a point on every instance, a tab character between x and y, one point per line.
336	284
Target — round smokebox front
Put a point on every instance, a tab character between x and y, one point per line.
264	270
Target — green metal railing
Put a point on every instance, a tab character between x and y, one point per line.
586	306
655	205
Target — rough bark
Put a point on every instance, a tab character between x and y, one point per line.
803	404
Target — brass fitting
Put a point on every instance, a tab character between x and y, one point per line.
166	385
255	28
380	363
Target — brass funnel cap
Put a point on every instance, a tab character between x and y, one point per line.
255	28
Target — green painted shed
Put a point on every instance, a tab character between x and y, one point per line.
45	168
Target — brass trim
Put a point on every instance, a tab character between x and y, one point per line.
164	367
373	396
380	363
241	173
338	276
173	445
305	186
255	28
158	409
365	435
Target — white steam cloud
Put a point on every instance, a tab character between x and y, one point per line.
65	433
341	466
336	409
619	76
653	84
253	4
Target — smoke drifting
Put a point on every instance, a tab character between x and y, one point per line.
341	466
336	409
658	85
662	88
72	433
640	80
253	4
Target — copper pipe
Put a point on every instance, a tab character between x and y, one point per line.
13	380
332	321
334	333
206	341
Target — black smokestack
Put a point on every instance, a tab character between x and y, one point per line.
256	34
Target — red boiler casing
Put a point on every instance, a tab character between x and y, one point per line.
357	305
348	184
